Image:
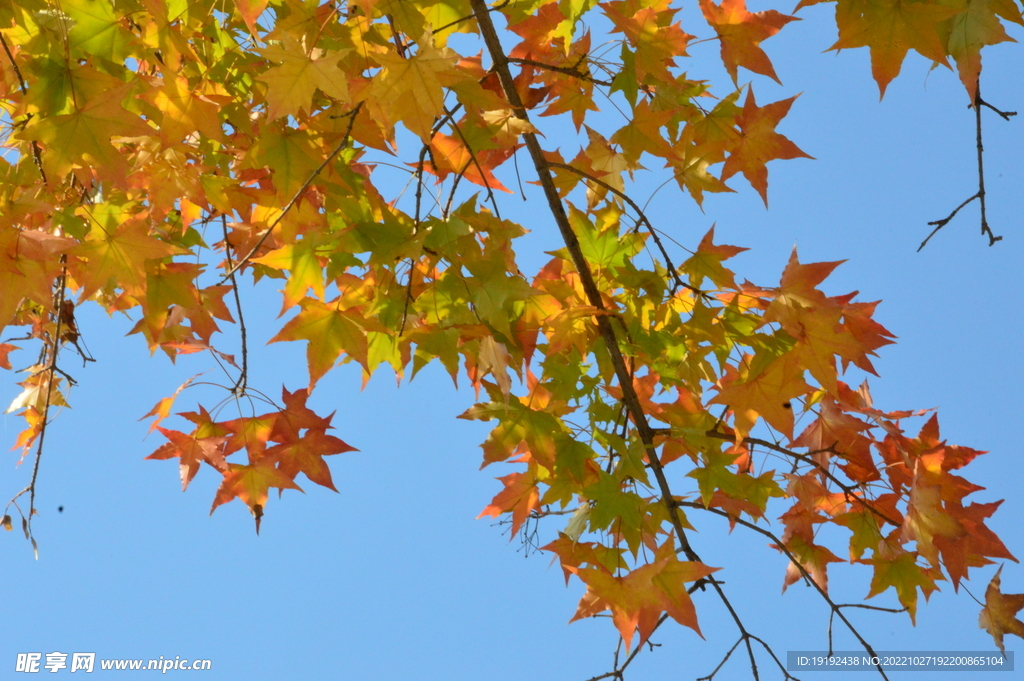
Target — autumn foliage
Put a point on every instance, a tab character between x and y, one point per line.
166	153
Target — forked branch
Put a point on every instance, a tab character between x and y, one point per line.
986	230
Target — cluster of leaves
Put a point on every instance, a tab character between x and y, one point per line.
163	148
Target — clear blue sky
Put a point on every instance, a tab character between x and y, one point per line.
394	579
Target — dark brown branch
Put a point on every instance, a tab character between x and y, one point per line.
302	190
568	70
986	230
593	294
1005	114
51	369
243	377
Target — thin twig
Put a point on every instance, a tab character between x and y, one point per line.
568	70
986	230
803	571
460	20
302	190
676	279
850	492
243	377
36	153
479	168
51	368
832	615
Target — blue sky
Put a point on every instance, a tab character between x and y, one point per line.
394	578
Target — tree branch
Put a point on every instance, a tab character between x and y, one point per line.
568	70
593	294
836	609
986	230
243	377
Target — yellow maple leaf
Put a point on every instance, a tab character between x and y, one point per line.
301	72
409	89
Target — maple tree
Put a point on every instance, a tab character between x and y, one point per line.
162	151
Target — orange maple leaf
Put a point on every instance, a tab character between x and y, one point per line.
520	496
758	143
741	33
890	28
998	617
251	483
638	599
191	451
766	394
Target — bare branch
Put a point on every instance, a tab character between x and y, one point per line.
243	377
986	230
568	70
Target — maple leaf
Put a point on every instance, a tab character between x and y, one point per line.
330	331
250	10
5	350
638	599
758	143
813	558
186	109
819	324
741	33
998	617
162	409
116	249
975	25
410	88
304	452
306	455
766	394
96	29
899	569
843	434
301	73
29	262
251	483
890	28
927	519
191	451
520	496
657	41
450	155
304	262
572	554
707	262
